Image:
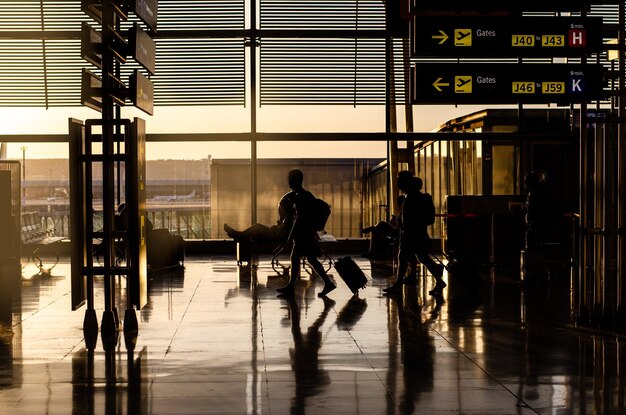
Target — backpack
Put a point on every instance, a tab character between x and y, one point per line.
321	212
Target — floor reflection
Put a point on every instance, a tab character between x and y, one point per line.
164	283
108	387
417	350
309	376
217	339
351	313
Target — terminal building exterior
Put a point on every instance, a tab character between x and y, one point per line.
340	89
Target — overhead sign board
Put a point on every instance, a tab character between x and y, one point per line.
505	83
142	48
440	36
453	6
141	92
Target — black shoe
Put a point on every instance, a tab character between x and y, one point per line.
229	231
394	289
438	288
328	287
286	290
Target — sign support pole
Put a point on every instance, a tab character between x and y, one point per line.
621	163
110	318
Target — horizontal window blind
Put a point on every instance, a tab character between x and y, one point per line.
326	71
40	63
322	14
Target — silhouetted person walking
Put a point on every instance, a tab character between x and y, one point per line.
415	216
540	215
303	234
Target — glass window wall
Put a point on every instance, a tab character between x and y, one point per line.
340	180
503	162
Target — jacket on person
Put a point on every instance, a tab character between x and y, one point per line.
415	215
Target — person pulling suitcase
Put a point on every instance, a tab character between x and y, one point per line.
417	212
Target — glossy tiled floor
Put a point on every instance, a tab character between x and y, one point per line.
217	340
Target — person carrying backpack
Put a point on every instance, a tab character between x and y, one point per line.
417	212
303	234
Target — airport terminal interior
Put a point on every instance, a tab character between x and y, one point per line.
215	339
138	137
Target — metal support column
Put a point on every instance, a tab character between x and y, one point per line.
408	107
621	167
391	127
583	273
253	111
110	319
597	229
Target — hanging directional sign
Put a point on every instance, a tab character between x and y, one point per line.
91	90
91	45
142	48
437	36
141	92
453	6
505	83
146	10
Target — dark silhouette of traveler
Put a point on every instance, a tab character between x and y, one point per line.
383	235
303	234
540	217
120	219
260	232
415	244
120	224
309	377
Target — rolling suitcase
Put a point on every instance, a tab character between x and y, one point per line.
350	273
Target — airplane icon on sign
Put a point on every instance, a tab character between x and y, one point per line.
462	37
461	82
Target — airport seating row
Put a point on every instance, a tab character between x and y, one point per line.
33	231
36	236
